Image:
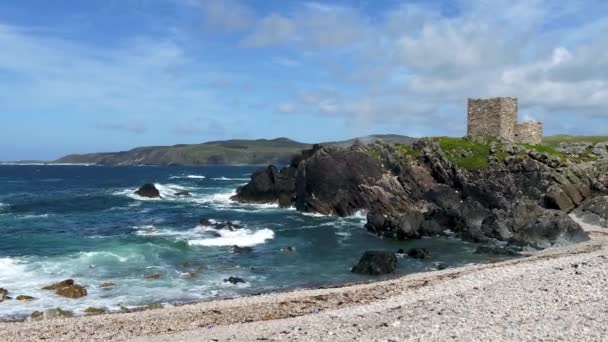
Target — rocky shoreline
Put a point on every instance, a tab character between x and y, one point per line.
482	191
526	298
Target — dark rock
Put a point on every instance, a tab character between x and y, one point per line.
594	211
3	295
183	194
23	298
530	224
495	250
106	286
152	277
235	280
376	263
149	191
242	250
442	266
55	313
401	251
419	253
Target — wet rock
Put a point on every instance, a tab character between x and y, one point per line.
183	194
441	266
95	311
401	251
242	250
107	286
227	225
376	263
36	316
67	288
3	295
419	253
152	277
235	280
149	191
57	313
72	291
64	283
23	298
495	250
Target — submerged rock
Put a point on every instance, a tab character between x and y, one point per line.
152	277
235	280
149	191
419	253
495	250
226	225
95	311
242	250
376	263
183	194
107	286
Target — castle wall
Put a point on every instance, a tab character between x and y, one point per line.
495	117
529	132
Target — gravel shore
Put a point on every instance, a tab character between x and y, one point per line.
556	294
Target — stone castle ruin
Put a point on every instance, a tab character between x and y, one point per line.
497	117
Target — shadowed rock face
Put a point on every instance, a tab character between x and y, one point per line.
376	263
523	197
148	190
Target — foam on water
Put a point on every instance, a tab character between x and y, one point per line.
241	237
188	177
230	179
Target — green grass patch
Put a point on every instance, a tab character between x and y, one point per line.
465	153
407	151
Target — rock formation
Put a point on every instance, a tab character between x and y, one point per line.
481	191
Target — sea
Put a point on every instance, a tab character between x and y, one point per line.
85	223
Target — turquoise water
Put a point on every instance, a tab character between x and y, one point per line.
85	223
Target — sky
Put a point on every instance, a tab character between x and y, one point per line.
107	75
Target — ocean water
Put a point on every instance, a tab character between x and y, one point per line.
85	223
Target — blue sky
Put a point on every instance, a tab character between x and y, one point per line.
88	76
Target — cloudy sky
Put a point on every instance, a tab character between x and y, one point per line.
104	75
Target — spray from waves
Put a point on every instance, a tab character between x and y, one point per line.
242	237
167	191
188	177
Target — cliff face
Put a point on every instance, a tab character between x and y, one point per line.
481	192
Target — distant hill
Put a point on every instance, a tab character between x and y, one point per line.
229	152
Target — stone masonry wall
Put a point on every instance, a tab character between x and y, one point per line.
495	117
529	132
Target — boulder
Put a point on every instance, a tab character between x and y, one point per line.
64	283
594	211
72	291
23	298
235	280
149	191
419	253
376	263
528	224
91	311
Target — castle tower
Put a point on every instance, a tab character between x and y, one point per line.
529	132
495	117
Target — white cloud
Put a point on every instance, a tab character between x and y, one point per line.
227	15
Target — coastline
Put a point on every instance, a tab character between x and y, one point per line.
318	313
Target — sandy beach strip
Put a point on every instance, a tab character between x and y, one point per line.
556	294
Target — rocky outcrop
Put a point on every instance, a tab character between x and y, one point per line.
3	295
376	263
235	280
480	192
149	191
594	211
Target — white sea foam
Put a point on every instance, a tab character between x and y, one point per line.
188	177
230	179
33	216
241	237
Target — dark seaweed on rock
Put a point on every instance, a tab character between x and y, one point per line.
481	192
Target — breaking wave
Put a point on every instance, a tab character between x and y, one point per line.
188	177
242	237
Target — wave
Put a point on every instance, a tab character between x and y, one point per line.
188	177
230	179
242	237
167	191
